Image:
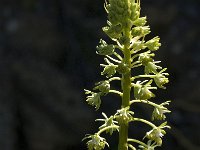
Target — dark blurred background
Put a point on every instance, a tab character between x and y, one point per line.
47	58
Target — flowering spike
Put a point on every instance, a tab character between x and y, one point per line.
127	31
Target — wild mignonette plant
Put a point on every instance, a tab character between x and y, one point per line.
128	51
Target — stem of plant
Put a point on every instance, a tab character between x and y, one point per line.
126	86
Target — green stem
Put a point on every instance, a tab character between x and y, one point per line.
135	56
144	101
143	76
118	56
114	78
135	66
116	92
126	87
117	61
107	128
135	63
145	121
137	141
131	146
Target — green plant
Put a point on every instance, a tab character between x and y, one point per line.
127	30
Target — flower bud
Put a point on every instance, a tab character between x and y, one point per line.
113	31
140	31
153	44
123	116
155	135
103	86
104	48
120	11
124	40
96	142
140	21
108	122
122	68
117	11
151	67
142	92
94	99
109	70
159	112
145	58
138	45
135	11
145	93
160	80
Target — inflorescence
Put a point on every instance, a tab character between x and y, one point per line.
128	51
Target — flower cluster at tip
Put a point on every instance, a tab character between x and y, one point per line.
128	30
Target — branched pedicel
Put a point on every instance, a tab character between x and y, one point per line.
128	51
